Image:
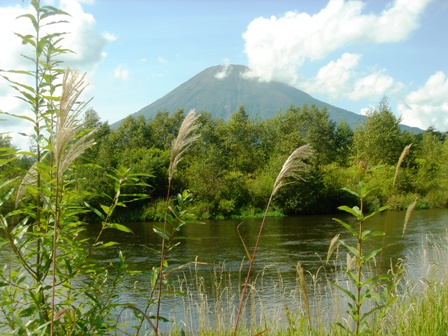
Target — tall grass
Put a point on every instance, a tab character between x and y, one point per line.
210	303
294	167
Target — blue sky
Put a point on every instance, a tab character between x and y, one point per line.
347	53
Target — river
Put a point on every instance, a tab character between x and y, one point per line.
285	242
212	284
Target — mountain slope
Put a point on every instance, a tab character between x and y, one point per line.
221	97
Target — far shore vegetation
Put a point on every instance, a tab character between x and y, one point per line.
232	167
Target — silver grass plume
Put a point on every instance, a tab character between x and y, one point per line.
183	140
69	142
332	247
293	167
408	215
400	161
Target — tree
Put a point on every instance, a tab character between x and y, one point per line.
343	141
431	161
239	141
379	139
164	128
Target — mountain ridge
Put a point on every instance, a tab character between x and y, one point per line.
221	90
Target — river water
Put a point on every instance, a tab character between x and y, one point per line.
211	286
285	243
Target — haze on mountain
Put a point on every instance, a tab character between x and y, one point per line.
222	89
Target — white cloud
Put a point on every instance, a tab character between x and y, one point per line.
374	86
277	47
82	38
341	78
333	79
226	69
121	72
427	106
109	37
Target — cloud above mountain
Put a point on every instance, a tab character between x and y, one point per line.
226	69
277	47
427	106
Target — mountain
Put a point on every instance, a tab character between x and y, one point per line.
222	90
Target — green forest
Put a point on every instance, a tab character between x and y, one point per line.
232	167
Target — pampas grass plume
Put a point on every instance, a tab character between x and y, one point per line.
183	140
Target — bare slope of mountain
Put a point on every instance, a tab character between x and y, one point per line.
222	90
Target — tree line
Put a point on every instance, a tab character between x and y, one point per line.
231	169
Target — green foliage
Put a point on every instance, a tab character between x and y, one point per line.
229	170
370	295
378	140
48	255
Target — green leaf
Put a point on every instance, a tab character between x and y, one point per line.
118	227
371	255
91	297
351	249
6	195
106	209
354	278
68	266
108	244
32	19
355	211
161	233
347	226
377	278
96	211
154	276
368	234
346	291
351	192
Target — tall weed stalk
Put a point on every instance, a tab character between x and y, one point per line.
365	288
293	167
175	216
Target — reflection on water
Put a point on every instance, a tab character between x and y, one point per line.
285	243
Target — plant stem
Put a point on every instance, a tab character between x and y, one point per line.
252	259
